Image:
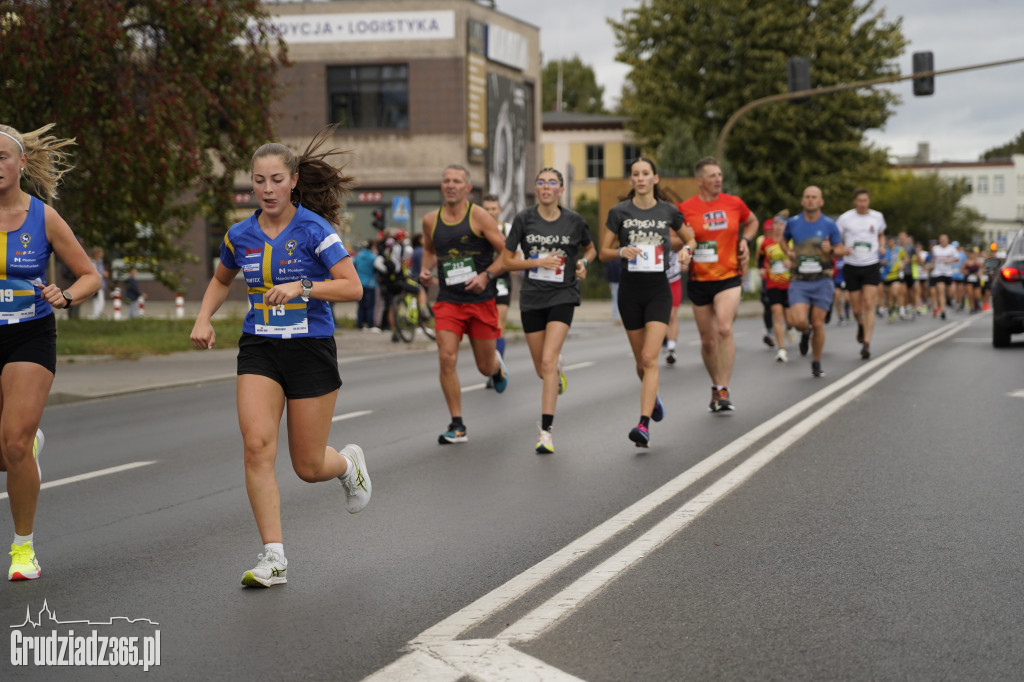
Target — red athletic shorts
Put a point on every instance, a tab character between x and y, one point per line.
677	292
479	320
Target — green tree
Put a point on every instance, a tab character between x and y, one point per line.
1005	150
166	98
695	62
925	206
580	91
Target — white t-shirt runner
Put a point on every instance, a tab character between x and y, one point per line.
945	259
860	235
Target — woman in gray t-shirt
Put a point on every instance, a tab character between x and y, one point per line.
644	233
551	239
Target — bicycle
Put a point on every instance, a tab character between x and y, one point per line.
409	317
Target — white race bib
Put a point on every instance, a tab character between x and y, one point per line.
650	259
706	252
545	275
458	271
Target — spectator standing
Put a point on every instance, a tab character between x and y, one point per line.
96	258
363	263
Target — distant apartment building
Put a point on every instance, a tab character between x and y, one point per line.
414	85
587	148
997	189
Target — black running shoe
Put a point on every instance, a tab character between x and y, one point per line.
805	342
865	351
768	340
816	371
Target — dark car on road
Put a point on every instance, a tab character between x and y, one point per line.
1008	294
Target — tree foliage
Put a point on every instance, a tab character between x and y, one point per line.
580	91
166	98
1004	151
925	206
695	62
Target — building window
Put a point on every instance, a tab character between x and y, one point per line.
595	161
982	184
369	96
998	185
630	153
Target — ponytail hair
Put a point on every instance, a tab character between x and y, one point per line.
47	160
321	187
658	194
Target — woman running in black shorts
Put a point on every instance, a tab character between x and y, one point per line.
550	238
643	231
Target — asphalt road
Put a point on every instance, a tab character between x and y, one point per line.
862	526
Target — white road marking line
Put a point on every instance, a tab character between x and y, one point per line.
431	648
350	415
500	597
533	624
1016	394
579	365
91	474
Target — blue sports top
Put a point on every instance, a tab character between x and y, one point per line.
26	253
309	247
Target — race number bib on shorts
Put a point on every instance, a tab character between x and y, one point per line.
17	300
809	266
706	252
458	271
285	320
650	259
546	275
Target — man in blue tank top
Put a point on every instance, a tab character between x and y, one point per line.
461	239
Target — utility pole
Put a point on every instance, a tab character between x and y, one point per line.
804	94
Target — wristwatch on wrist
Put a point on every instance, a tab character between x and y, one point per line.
307	288
67	298
688	249
489	275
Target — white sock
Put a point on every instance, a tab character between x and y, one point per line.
351	465
22	539
276	547
671	345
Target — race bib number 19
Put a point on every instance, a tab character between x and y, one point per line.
17	299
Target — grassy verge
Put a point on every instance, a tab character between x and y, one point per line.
130	338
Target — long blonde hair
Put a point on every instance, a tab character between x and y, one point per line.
47	160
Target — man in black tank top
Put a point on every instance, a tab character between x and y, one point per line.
461	239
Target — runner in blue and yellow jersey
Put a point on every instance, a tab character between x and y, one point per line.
462	239
30	230
294	265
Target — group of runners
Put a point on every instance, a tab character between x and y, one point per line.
295	265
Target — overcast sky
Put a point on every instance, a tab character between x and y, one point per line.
969	113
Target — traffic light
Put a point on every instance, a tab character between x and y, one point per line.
378	220
923	63
798	75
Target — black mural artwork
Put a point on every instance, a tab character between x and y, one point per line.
506	132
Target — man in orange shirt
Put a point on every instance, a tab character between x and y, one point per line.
723	227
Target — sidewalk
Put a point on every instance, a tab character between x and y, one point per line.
89	377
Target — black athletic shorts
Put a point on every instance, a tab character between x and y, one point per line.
642	301
857	276
537	320
777	297
703	293
32	341
936	279
305	367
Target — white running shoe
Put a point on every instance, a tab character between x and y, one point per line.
356	483
781	355
271	569
544	444
37	449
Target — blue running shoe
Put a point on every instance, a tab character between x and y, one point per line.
658	413
501	382
454	434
